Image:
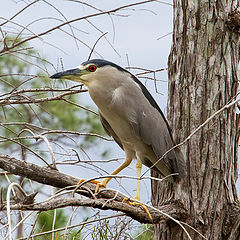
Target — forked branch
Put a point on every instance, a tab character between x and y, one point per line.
106	199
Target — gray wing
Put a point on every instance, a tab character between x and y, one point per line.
109	130
151	126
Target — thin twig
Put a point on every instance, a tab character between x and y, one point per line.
75	20
194	132
95	44
73	226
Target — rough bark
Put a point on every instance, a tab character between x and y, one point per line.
203	78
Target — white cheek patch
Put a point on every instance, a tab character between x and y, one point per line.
85	77
81	67
76	79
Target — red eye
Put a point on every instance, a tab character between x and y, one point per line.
92	68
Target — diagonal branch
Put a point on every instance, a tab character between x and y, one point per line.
29	100
108	12
56	179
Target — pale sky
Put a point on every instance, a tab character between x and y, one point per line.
134	34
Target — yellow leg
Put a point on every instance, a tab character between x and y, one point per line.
139	169
126	163
137	197
103	183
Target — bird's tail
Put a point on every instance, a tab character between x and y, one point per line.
180	163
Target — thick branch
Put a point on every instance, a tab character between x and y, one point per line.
54	178
134	212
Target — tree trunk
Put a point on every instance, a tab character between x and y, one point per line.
203	77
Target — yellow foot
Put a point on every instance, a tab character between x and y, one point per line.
98	184
130	202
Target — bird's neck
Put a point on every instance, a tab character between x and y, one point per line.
101	95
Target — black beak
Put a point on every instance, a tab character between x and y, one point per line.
71	72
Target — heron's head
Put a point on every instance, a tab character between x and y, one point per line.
94	70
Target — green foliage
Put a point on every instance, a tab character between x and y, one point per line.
45	220
24	69
145	232
102	231
45	223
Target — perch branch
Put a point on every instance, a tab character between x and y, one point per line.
56	179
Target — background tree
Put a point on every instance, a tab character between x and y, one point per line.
18	81
42	122
203	78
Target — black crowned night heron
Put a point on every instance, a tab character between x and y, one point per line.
131	116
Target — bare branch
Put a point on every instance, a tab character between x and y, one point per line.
19	12
60	180
74	20
72	226
95	44
8	101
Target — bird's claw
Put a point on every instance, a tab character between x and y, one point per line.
98	184
131	202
